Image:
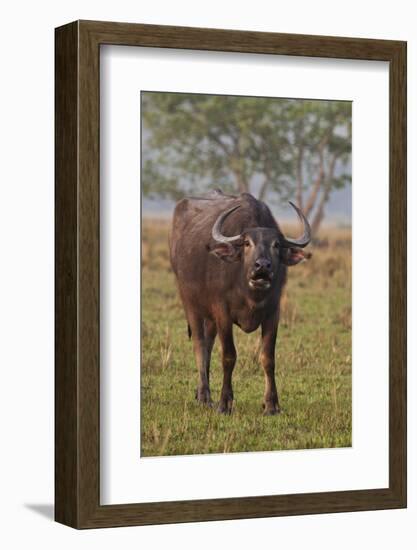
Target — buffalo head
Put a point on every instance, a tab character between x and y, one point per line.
260	249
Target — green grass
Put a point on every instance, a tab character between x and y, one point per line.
313	358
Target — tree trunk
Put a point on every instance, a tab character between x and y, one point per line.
242	184
319	215
263	190
266	182
299	178
315	191
320	177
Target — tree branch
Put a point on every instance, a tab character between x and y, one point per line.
319	215
267	172
317	184
316	187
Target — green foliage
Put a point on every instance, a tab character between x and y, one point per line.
270	147
313	363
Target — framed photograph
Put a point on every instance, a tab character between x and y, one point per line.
230	274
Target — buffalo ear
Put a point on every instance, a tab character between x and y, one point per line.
294	256
226	252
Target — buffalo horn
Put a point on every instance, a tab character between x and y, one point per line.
217	227
305	238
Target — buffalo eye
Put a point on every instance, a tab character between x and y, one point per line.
247	243
276	244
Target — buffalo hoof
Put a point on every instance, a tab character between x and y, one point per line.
225	407
203	397
271	409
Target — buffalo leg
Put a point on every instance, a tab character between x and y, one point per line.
228	362
202	353
210	332
269	336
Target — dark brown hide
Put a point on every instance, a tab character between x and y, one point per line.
223	283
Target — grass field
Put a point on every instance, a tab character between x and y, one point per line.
313	358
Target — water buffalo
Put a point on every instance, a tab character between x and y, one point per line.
230	259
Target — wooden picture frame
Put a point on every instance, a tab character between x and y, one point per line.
77	374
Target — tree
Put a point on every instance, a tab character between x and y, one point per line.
320	136
270	147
